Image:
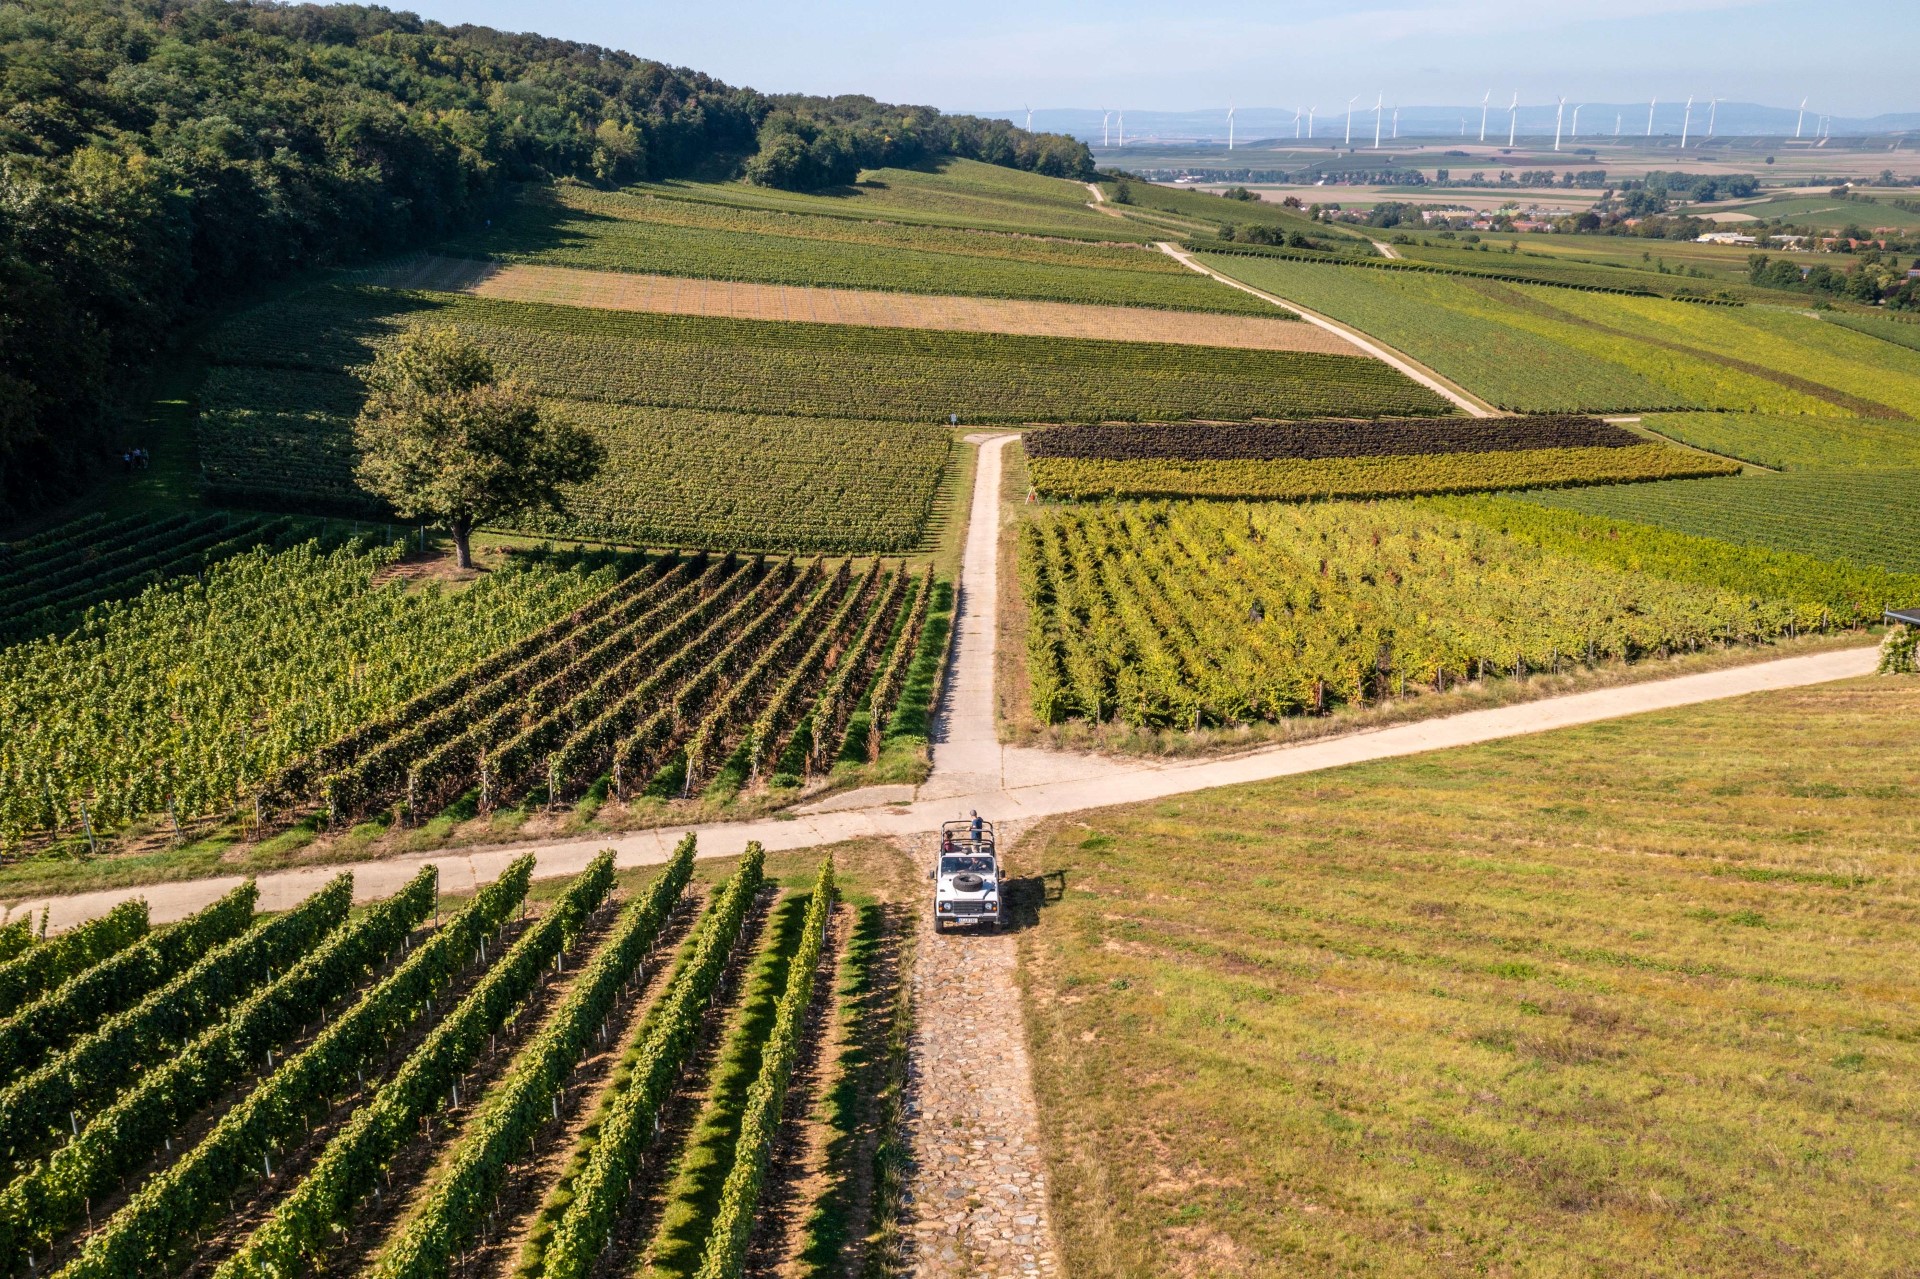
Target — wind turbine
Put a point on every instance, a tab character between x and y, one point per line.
1029	119
1576	121
1106	118
1378	99
1297	113
1350	101
1123	126
1559	117
1310	111
1713	110
1686	123
1801	118
1513	119
1483	113
1616	123
1229	126
1396	124
1650	107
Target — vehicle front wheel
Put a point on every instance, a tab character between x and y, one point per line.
939	925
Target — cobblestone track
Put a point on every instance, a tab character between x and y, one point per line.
977	1197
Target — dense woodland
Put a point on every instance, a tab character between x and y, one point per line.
158	155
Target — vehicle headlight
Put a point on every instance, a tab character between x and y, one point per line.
947	906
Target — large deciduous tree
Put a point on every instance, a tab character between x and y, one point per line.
442	439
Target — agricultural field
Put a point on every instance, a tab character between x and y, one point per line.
518	1080
956	193
1627	997
1194	211
1605	275
1899	332
1856	514
1794	443
181	703
1348	459
1538	349
49	580
1187	615
611	231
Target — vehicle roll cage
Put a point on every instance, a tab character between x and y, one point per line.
955	833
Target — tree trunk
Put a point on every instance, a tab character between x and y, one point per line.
462	551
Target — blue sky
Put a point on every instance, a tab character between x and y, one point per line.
1000	54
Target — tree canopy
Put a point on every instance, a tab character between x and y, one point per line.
158	155
441	439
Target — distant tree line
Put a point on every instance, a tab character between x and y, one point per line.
157	156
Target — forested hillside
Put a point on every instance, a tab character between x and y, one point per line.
156	154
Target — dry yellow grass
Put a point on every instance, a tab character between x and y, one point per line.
674	295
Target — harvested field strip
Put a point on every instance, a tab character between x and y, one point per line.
1401	475
1339	437
672	295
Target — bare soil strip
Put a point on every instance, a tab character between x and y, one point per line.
673	295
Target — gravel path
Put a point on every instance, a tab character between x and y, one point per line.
978	1192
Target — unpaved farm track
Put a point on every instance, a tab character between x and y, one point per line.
675	295
978	1187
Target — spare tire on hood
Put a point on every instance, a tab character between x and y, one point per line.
968	882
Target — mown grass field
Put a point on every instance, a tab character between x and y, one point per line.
1637	997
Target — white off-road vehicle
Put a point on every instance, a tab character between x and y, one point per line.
966	879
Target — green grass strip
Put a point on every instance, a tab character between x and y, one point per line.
51	1197
699	1168
726	1251
830	1222
512	1112
668	1036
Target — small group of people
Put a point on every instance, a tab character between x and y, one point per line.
135	459
976	826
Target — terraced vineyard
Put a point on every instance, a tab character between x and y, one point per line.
181	703
616	231
689	670
1385	457
1534	349
1190	614
387	1090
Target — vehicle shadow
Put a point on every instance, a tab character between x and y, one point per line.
1024	897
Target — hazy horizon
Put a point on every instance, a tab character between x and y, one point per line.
993	53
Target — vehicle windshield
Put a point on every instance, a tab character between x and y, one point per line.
955	863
